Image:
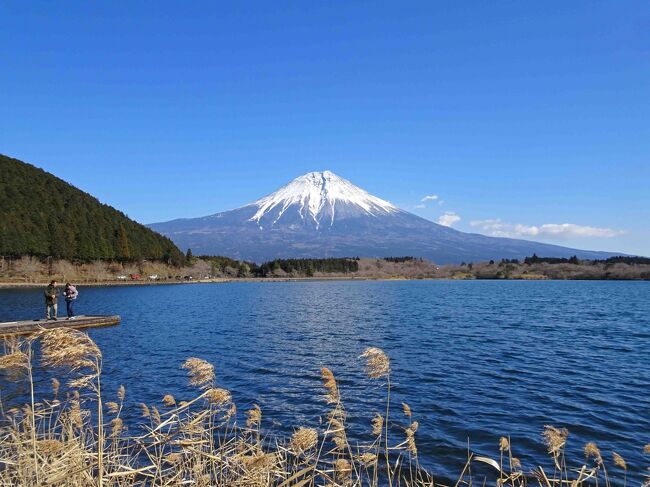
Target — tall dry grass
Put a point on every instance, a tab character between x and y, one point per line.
77	437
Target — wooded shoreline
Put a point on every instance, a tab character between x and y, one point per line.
30	271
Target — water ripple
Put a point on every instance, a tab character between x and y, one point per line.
474	360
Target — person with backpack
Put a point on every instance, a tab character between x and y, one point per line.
71	294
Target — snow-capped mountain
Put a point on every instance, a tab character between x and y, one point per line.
321	214
319	199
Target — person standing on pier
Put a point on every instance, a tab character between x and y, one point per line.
51	297
70	294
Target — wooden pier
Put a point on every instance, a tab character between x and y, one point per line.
79	322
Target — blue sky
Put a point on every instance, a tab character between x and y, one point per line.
520	117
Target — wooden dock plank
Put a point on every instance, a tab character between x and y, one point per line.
27	327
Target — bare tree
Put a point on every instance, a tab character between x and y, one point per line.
29	268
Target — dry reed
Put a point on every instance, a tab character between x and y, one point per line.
198	442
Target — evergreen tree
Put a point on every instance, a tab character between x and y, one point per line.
42	215
123	246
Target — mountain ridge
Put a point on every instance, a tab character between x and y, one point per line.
320	214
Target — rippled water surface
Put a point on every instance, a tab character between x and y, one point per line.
474	359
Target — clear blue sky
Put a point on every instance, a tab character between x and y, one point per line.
519	116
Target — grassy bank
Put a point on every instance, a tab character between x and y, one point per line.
76	436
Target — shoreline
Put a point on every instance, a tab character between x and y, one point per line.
228	280
223	280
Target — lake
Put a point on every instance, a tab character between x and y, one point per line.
474	359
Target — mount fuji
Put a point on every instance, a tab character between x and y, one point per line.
321	214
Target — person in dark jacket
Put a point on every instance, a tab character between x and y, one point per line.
51	298
70	294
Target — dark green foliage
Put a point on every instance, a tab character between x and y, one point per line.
551	260
620	259
297	267
308	267
42	215
123	246
402	259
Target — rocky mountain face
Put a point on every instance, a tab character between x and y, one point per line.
321	214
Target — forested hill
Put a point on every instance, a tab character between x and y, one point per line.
42	215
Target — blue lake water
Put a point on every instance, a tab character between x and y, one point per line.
474	359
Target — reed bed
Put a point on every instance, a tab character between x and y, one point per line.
77	435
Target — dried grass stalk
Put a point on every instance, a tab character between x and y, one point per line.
200	372
377	362
304	439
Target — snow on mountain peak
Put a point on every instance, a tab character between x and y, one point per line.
316	194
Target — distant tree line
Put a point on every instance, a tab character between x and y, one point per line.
221	265
43	216
529	267
620	259
534	259
399	260
308	267
38	269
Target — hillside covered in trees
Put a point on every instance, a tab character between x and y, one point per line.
43	216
